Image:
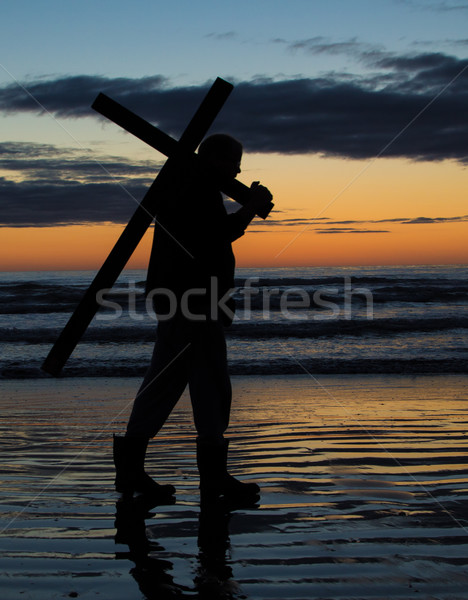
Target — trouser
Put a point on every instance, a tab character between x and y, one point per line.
186	352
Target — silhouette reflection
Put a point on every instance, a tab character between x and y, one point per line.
150	572
214	575
213	578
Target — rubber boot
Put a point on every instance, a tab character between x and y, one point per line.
130	475
216	483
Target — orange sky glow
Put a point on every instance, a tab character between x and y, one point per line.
304	187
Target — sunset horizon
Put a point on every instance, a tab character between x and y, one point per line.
327	217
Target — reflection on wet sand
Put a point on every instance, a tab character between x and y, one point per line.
213	575
364	494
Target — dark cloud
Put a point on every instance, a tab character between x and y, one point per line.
227	35
327	221
333	230
435	6
407	221
430	220
323	225
72	97
41	161
37	204
444	6
61	186
322	45
353	117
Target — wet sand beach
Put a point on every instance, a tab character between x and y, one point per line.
364	493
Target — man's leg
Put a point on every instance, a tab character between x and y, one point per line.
164	381
210	392
209	381
162	387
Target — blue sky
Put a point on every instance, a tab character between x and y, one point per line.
191	42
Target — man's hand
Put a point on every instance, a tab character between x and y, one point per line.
260	197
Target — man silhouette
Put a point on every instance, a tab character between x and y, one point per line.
190	278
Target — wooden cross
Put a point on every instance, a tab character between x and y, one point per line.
159	191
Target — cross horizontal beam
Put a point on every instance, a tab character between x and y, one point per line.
157	139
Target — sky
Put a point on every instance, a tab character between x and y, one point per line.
353	113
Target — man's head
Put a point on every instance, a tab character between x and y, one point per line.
223	153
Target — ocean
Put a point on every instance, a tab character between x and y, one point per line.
407	319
